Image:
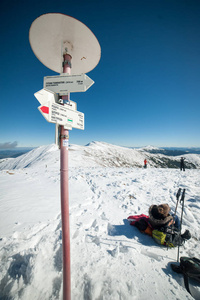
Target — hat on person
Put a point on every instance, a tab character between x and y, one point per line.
161	211
159	215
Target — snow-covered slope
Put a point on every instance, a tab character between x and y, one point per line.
35	156
110	259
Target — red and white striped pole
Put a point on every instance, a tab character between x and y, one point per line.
64	185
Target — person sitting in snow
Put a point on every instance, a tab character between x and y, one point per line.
163	227
161	221
159	217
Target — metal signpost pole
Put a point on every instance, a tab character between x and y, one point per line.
64	139
49	35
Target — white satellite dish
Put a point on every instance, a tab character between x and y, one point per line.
51	34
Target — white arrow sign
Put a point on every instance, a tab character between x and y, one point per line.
59	114
64	83
44	96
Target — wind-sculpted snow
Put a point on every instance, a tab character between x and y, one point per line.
110	260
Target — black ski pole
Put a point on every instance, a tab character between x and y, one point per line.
174	215
177	197
182	200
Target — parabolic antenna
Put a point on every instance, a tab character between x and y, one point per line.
51	34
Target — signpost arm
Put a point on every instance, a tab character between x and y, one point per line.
64	139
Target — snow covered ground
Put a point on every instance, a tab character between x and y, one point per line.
110	259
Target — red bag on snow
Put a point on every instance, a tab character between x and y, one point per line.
136	218
142	223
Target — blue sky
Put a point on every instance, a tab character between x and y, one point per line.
147	83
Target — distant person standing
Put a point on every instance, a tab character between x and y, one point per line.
145	163
182	164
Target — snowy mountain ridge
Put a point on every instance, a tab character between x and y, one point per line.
149	148
100	154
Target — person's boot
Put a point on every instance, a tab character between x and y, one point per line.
186	235
176	268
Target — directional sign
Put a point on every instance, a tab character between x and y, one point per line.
62	115
44	96
63	84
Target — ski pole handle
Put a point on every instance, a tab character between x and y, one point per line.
178	193
183	196
177	197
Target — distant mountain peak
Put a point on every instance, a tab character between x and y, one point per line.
150	148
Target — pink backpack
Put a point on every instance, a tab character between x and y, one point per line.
134	219
142	223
